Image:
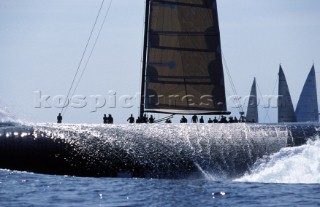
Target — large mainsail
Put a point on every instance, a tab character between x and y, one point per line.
184	72
307	108
252	110
285	106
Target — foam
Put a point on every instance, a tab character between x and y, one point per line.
289	165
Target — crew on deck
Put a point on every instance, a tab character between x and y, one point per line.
131	119
151	119
222	119
107	120
183	120
194	119
110	119
231	119
59	118
138	120
144	119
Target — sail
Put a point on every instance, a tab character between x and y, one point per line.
307	108
252	110
285	106
184	72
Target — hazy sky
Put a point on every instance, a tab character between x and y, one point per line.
42	42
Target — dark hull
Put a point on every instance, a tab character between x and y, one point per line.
134	151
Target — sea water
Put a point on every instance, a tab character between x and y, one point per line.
288	177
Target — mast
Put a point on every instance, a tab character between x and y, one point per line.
144	61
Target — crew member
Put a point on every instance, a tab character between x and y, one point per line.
59	118
110	119
131	119
183	120
105	119
194	119
151	119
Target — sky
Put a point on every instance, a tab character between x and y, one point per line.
42	42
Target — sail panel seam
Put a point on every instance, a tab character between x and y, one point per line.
179	77
182	49
173	33
181	4
181	83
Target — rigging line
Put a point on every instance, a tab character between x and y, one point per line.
231	82
267	109
93	47
235	103
83	54
261	96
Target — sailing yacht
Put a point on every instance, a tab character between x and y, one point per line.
252	110
182	71
307	108
285	106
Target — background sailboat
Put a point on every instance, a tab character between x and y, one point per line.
252	111
307	108
285	106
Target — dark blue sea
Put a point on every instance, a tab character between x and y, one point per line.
180	165
27	189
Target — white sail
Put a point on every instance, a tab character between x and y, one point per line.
252	110
307	108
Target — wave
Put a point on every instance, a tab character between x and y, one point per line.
289	165
6	116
